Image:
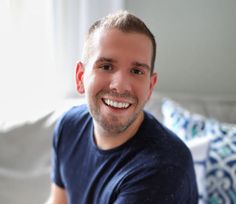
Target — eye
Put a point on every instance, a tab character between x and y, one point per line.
137	71
106	67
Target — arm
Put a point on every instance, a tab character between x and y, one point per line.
58	193
57	196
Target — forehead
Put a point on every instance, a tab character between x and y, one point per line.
106	36
130	44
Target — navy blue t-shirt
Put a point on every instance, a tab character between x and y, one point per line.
153	167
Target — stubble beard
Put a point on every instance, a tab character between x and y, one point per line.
112	123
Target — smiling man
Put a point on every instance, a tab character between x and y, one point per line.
111	150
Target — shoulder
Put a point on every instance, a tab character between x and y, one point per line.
76	113
163	164
73	121
166	153
162	142
73	116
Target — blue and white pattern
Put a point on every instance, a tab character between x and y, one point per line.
185	124
221	166
199	149
220	171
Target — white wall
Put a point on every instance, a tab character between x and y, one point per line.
196	44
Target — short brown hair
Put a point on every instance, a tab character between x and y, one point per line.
125	22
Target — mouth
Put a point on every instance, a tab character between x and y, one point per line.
116	104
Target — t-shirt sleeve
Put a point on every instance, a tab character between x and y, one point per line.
167	186
55	161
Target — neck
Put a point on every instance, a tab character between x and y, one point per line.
106	139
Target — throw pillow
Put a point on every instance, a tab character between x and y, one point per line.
185	124
221	166
221	161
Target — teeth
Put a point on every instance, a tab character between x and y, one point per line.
116	104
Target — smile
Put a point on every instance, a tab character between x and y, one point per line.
116	104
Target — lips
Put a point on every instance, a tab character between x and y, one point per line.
116	104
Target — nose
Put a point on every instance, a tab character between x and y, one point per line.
120	82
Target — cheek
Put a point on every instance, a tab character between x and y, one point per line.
93	84
88	83
143	91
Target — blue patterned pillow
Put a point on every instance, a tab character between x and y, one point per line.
221	160
185	124
221	166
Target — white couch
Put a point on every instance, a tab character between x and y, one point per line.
25	144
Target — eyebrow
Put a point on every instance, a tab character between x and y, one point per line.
110	60
105	59
139	64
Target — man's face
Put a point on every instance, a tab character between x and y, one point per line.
117	80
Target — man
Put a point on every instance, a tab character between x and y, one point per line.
110	150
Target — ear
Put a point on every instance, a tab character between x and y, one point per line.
79	77
153	82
